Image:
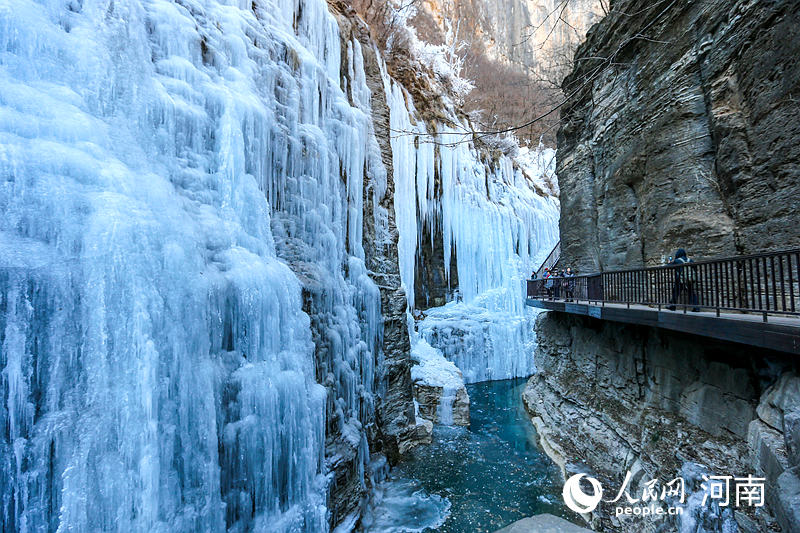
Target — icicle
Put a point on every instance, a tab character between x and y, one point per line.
163	162
499	227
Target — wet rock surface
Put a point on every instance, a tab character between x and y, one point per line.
430	399
681	131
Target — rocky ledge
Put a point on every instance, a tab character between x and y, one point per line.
438	387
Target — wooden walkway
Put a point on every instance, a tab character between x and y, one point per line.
780	333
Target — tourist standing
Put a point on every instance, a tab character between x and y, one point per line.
683	281
569	277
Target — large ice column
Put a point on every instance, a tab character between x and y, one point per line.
318	230
493	217
157	368
413	172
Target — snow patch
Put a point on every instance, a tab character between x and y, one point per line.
433	369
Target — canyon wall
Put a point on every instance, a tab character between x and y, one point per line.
611	398
680	130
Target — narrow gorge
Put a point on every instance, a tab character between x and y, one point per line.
263	264
681	131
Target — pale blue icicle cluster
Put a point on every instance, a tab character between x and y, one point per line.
172	174
491	217
160	164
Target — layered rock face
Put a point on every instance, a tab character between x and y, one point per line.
608	399
774	438
681	130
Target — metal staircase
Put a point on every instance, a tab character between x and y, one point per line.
551	261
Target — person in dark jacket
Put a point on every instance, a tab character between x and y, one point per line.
683	280
557	283
569	280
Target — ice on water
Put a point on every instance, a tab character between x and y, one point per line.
402	506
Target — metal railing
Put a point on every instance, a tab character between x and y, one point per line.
762	283
551	259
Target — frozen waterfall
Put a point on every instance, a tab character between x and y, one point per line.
190	334
171	175
488	213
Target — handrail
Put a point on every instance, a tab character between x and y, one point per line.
551	259
765	283
716	260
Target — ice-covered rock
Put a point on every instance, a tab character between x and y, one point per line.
485	343
182	257
438	386
201	315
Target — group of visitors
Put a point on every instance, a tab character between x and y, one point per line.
555	280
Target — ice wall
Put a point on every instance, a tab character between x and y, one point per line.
171	175
489	214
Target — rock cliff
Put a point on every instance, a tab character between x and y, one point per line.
774	439
535	35
516	52
609	398
680	130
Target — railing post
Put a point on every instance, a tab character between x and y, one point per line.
783	287
791	283
717	287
